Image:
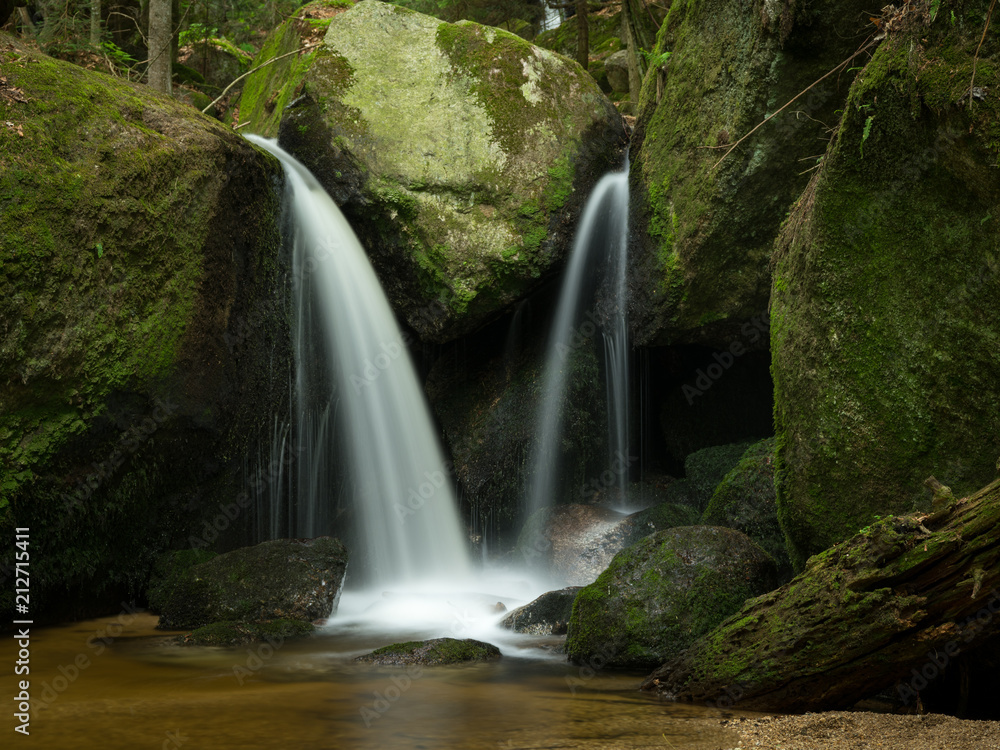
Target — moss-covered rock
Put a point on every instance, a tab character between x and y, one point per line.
661	594
139	256
435	652
704	470
296	579
700	266
230	633
659	517
895	604
460	153
885	325
745	500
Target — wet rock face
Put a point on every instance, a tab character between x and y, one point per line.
704	229
460	153
884	317
660	594
435	652
142	335
547	615
298	579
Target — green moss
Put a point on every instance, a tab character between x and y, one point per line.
898	283
233	633
436	652
659	595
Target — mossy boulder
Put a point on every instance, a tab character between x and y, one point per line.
298	579
658	517
662	593
745	500
704	229
704	470
885	325
547	615
461	154
435	652
142	337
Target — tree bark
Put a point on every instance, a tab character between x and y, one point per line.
904	597
582	34
631	32
95	22
160	45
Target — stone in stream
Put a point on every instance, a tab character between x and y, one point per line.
547	615
660	594
298	579
435	652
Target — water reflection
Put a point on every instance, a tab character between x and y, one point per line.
142	690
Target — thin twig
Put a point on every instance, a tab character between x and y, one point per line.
254	70
975	57
794	98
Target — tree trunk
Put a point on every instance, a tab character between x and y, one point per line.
582	34
633	41
160	45
893	605
95	23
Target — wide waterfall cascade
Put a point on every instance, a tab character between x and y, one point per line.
406	511
597	258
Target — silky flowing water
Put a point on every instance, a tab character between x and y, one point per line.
140	689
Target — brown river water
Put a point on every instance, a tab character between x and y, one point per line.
137	688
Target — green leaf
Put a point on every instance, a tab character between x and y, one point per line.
866	133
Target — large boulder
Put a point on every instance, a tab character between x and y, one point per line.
460	153
699	269
142	341
297	579
885	324
662	593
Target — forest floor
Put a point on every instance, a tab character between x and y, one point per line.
843	730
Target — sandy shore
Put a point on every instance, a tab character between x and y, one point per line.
840	730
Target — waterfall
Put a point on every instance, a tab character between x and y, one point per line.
598	257
356	385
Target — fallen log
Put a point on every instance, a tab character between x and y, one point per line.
892	606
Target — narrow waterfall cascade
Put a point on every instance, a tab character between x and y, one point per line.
616	347
355	378
597	260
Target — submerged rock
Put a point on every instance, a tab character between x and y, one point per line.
662	593
704	231
885	318
435	652
461	154
296	579
142	340
547	615
229	633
